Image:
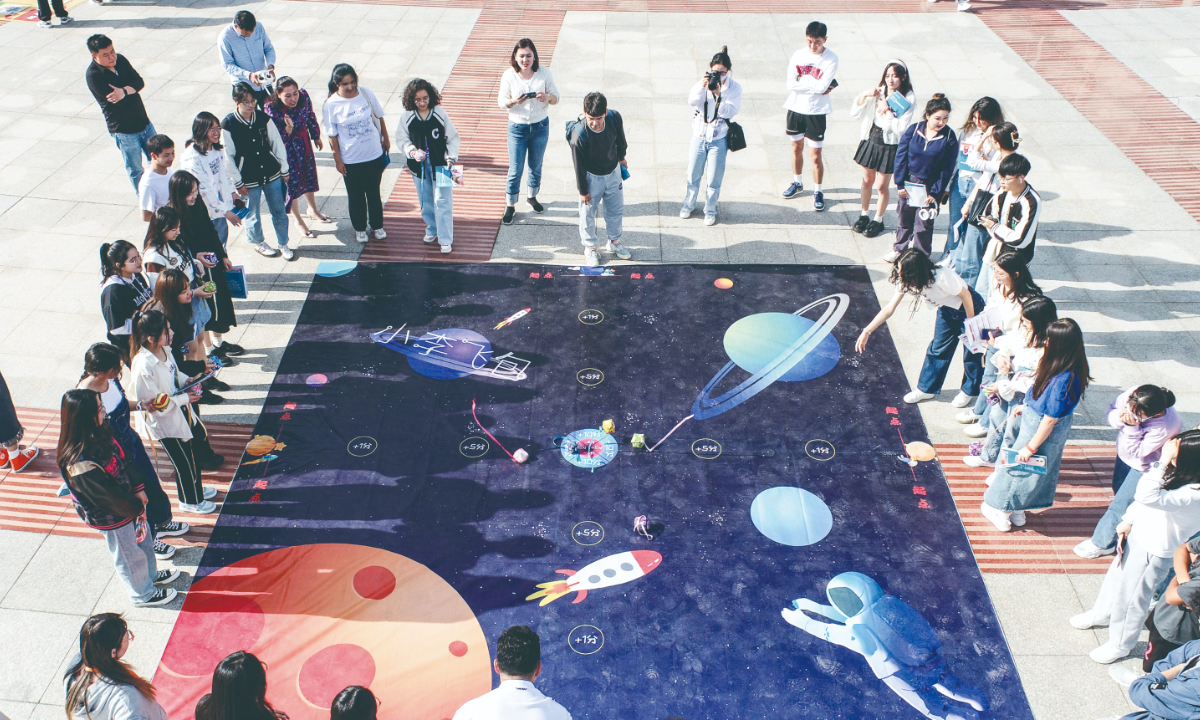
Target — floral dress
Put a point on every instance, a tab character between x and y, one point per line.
302	164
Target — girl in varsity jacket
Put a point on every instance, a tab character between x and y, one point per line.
123	290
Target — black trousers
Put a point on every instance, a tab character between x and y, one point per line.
183	458
44	9
362	193
1158	647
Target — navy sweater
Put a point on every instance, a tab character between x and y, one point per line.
933	161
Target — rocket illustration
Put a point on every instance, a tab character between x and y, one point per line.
605	572
512	318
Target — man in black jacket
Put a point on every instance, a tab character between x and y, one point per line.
598	148
117	88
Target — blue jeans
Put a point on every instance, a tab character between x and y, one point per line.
133	147
437	209
960	189
526	140
276	194
990	374
222	226
1124	481
711	155
968	258
610	190
941	351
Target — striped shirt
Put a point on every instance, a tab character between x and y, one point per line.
1017	218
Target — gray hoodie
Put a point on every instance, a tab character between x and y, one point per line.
107	700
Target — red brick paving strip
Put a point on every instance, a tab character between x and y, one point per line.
1044	544
28	502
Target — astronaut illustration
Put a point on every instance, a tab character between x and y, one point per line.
898	643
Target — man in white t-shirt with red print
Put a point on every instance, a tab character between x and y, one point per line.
811	73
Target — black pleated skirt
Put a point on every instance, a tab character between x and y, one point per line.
876	155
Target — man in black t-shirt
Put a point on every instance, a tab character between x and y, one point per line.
598	148
117	88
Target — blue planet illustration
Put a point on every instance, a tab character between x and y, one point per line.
335	268
771	347
791	516
451	354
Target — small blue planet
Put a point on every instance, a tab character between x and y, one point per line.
791	516
335	268
756	340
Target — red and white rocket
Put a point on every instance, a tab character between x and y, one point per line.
605	572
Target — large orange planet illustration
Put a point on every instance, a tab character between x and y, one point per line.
323	617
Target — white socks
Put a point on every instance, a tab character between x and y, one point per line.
862	213
817	187
798	178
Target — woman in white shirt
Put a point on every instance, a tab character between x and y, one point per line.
977	251
914	274
879	136
359	139
984	114
527	89
715	100
205	158
1165	513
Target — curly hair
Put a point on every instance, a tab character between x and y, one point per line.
410	94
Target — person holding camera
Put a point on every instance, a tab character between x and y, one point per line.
925	160
882	125
598	146
811	78
527	89
716	99
247	55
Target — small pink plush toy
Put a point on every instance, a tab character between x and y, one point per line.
641	525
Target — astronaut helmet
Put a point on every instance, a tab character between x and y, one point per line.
852	593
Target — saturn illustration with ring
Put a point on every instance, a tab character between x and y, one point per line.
772	346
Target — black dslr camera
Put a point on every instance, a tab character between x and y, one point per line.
714	80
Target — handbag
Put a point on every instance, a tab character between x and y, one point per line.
979	205
735	136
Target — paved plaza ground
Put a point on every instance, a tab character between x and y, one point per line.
1118	249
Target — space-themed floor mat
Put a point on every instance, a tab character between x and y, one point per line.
796	551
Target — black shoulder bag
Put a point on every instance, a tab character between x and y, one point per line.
735	137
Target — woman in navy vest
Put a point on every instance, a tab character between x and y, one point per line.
259	167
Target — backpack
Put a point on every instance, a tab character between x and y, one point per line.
903	631
578	124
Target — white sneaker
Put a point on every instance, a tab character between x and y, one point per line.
210	492
361	236
975	431
287	253
265	250
380	234
204	508
892	255
45	24
964	7
1088	549
616	248
962	400
975	461
1122	675
1017	518
999	518
1086	621
966	417
916	396
710	219
684	213
428	239
591	257
1107	654
447	248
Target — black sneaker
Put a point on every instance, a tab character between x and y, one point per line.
861	224
509	212
208	397
217	385
875	227
818	201
212	462
793	190
227	349
162	597
537	206
171	529
166	576
163	551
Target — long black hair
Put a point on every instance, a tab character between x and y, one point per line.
81	435
164	221
1186	468
147	326
1064	353
239	690
1040	311
100	636
101	358
354	703
112	256
286	82
901	71
912	272
989	111
1017	268
340	71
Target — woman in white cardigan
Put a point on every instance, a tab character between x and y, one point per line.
882	127
205	158
1164	514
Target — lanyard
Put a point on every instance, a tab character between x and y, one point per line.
716	110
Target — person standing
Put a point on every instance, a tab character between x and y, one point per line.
123	290
117	88
598	147
710	141
247	54
881	129
204	157
259	168
925	157
100	685
983	116
527	89
519	663
811	77
431	143
1012	215
975	255
154	188
1044	425
43	13
11	432
359	140
292	110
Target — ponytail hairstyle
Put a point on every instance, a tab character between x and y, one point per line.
164	221
1064	353
101	358
1150	400
171	284
112	256
182	184
340	71
722	58
81	436
1005	136
200	127
1017	267
989	111
901	71
1040	311
936	103
147	326
277	102
99	639
1186	468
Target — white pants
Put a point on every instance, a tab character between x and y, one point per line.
1124	598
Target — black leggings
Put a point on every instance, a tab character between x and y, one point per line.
362	192
183	458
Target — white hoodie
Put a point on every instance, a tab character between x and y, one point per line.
216	181
808	77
